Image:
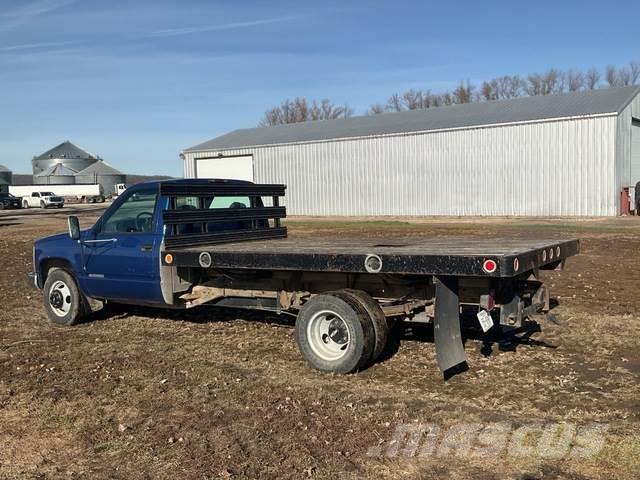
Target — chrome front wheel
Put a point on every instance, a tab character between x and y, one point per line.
60	298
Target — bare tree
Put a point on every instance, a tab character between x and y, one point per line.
624	77
612	76
298	110
394	104
510	86
534	85
575	81
634	68
376	109
489	90
513	86
463	93
592	79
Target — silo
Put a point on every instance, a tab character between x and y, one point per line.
5	178
56	175
67	154
102	173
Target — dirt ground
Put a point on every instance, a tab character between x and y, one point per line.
141	393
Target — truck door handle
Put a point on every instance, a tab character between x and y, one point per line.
100	240
147	248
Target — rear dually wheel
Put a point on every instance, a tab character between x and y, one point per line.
334	333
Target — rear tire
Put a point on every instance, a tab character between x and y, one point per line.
334	333
42	205
379	321
25	204
63	301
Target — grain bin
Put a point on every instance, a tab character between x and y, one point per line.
57	174
102	173
67	154
5	178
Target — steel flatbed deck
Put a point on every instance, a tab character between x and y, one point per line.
432	256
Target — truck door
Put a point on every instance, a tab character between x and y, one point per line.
121	254
34	199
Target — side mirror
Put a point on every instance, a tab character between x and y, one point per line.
74	227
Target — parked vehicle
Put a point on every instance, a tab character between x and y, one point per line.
42	200
185	243
118	189
9	201
84	193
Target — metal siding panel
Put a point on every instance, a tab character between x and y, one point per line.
553	168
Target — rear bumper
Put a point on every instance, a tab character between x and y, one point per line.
35	279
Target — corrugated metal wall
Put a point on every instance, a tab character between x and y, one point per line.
548	168
624	175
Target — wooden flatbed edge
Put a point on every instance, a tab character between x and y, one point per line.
508	265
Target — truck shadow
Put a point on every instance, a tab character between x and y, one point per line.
506	339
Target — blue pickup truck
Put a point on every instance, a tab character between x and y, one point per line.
187	243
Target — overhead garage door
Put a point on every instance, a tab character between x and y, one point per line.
236	167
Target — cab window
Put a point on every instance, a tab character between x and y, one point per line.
134	215
230	202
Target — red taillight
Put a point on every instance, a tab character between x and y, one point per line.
489	266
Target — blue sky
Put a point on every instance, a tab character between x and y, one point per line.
138	81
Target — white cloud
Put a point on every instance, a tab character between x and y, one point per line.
33	46
28	11
170	32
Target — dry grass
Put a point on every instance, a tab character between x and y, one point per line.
141	393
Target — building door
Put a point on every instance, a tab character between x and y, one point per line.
238	167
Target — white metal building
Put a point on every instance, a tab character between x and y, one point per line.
568	154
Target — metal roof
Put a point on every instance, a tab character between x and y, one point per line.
57	169
4	169
65	150
564	105
100	168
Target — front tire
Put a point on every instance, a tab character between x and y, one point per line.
63	301
334	333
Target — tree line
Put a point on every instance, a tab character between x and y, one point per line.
505	87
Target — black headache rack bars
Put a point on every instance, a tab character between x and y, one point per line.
191	225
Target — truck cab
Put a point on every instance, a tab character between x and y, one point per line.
118	258
42	199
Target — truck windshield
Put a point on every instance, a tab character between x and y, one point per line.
134	215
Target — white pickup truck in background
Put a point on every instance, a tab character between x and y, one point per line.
42	199
83	193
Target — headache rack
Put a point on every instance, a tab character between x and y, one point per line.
195	224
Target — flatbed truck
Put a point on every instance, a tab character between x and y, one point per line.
188	243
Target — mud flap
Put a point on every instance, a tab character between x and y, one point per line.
446	327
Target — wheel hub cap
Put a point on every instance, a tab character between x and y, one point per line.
328	335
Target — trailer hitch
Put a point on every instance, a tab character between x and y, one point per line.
446	327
